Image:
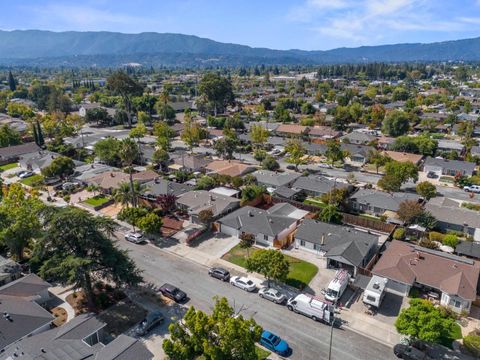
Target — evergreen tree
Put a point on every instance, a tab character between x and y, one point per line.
41	140
35	134
11	82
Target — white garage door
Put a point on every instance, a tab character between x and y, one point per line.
228	230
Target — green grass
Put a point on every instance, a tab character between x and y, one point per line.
261	353
300	275
8	166
315	202
97	200
447	179
32	180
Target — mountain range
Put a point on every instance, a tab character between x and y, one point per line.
72	48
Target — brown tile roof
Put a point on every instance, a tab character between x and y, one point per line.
411	264
231	168
291	129
145	176
403	157
109	180
323	131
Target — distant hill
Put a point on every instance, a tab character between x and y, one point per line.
71	48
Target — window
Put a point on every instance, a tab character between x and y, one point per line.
371	298
457	303
316	246
265	237
302	242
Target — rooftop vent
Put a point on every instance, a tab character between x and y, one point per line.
376	285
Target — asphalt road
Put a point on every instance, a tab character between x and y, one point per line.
308	339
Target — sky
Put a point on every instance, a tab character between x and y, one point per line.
277	24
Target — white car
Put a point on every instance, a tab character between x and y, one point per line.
272	294
243	283
472	188
134	237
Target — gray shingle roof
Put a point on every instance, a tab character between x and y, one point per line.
382	200
450	212
337	240
163	187
468	248
25	287
318	184
199	200
275	178
455	165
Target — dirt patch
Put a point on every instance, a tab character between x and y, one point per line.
105	296
60	316
122	316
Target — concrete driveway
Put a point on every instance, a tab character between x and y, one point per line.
216	245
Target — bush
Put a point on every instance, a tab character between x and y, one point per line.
399	234
429	244
436	236
472	343
450	240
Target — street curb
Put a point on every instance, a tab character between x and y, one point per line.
381	341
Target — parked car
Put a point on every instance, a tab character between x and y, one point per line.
69	186
274	343
291	167
243	283
172	292
18	173
152	319
219	273
272	295
135	237
472	188
432	175
26	174
408	352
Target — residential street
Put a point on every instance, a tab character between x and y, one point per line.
308	339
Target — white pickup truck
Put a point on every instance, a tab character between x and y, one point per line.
472	188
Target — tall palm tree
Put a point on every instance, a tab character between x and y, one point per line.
164	98
128	153
124	194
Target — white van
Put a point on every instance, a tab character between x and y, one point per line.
312	307
337	286
375	291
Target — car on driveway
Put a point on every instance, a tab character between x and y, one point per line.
432	175
135	237
152	319
25	174
272	295
243	283
274	343
172	292
408	352
219	273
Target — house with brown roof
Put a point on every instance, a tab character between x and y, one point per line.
323	132
453	278
229	167
403	156
111	180
291	129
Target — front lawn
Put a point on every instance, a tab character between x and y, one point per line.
32	180
97	200
300	275
262	353
315	202
8	166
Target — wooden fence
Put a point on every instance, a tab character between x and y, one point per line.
368	223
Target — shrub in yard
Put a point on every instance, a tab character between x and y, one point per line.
450	240
436	236
399	234
427	243
472	343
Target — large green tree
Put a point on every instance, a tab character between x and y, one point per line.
61	166
217	90
121	84
334	152
396	123
77	249
107	150
9	136
270	263
396	174
296	153
218	336
128	153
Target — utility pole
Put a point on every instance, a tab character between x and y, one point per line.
331	336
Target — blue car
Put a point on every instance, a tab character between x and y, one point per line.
273	343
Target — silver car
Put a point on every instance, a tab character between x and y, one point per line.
134	237
272	294
243	283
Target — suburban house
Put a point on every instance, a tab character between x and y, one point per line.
9	270
357	154
10	154
272	227
21	319
84	337
274	180
323	132
85	172
37	161
448	167
111	180
358	138
193	202
342	246
160	186
375	202
316	185
453	278
450	145
451	216
470	249
403	156
191	163
291	130
30	287
229	167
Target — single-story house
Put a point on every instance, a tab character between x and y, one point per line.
316	185
451	216
37	161
403	156
450	145
376	202
229	167
454	278
11	154
195	201
272	227
291	130
470	249
87	171
357	154
448	167
192	162
342	246
84	337
323	132
9	270
160	186
111	180
30	287
358	138
273	179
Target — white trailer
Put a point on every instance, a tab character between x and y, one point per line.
337	286
312	307
375	291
